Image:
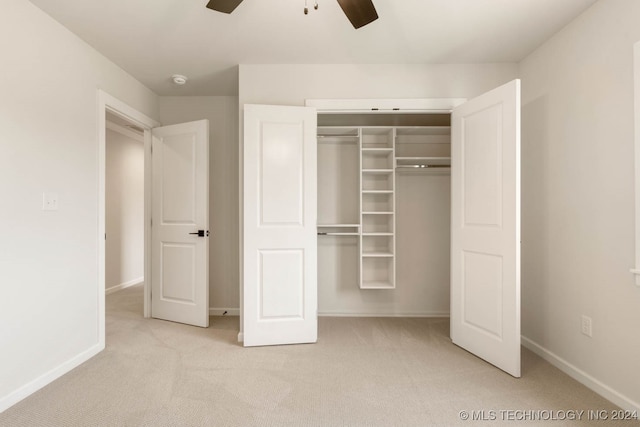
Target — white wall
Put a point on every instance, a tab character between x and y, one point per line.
124	198
293	84
49	143
578	228
222	113
578	199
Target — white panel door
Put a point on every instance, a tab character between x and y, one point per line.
279	234
485	227
180	223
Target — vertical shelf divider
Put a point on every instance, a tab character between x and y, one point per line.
361	184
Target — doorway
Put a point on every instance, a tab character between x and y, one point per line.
124	204
118	110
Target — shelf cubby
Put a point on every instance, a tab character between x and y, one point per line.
378	273
381	181
377	201
377	223
377	245
377	137
376	159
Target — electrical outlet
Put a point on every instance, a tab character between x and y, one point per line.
49	201
586	326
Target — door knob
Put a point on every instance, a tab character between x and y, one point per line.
201	233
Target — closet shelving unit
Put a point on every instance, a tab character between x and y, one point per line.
377	208
381	152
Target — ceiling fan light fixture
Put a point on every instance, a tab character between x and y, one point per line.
306	8
179	79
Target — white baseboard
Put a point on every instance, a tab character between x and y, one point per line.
124	285
216	311
581	376
26	390
377	314
240	337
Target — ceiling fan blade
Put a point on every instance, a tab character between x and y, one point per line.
224	6
359	12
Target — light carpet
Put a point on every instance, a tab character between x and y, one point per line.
362	372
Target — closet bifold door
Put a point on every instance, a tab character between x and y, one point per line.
377	208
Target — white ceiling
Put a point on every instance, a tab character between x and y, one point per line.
153	39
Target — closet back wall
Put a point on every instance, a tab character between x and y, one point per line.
293	84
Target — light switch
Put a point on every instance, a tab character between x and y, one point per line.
49	201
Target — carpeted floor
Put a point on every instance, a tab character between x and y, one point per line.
362	372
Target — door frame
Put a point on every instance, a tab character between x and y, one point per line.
337	106
399	106
111	104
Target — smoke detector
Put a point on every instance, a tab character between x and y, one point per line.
179	79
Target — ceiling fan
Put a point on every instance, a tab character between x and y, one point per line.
359	12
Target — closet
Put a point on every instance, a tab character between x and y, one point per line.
383	201
373	205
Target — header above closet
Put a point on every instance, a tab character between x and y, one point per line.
376	106
384	119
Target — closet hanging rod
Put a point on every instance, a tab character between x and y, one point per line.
337	234
422	166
